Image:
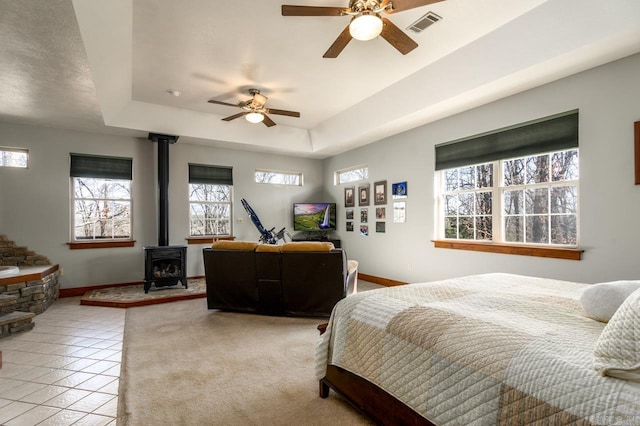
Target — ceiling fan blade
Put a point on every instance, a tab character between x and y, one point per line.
338	46
233	117
267	121
401	5
283	112
259	100
289	10
212	101
397	38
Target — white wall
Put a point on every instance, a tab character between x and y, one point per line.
35	203
272	203
608	98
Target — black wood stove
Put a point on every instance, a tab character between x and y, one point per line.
165	266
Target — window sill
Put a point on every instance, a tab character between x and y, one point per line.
523	250
208	240
77	245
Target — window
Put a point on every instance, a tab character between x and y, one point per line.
279	178
530	198
352	174
14	157
536	200
101	188
210	200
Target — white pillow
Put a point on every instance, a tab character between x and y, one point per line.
600	301
617	351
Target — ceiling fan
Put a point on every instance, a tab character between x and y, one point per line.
254	109
366	22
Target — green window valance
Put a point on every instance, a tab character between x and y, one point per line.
553	133
216	175
97	166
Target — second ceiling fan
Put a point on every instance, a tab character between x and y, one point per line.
254	109
366	22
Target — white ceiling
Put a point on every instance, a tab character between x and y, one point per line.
106	66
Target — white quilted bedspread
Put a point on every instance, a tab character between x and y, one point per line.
481	350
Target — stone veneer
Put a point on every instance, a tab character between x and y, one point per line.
29	292
35	294
13	255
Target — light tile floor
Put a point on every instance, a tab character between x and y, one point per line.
66	370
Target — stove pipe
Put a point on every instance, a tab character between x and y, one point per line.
163	142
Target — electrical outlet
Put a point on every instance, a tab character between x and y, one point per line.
240	220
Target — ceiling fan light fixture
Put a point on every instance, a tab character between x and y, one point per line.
365	26
254	117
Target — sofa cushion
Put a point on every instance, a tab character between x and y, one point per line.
234	245
617	351
268	248
308	246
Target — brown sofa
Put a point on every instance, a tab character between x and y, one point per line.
293	279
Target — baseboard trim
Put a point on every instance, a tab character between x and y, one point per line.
379	280
80	291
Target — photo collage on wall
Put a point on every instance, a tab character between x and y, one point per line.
364	194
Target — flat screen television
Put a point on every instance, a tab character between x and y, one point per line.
314	216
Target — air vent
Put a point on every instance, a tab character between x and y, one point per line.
425	21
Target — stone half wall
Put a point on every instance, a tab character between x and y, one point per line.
13	255
26	293
34	294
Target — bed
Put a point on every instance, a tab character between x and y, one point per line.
477	350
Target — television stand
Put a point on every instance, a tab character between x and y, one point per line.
321	238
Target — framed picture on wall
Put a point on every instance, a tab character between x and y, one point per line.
380	192
364	230
363	194
364	215
381	213
349	197
399	212
380	227
349	214
399	190
349	226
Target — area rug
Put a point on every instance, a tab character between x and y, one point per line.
185	365
134	295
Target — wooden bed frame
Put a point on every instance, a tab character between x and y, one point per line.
370	399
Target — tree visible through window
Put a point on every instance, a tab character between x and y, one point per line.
210	209
14	157
280	178
102	209
101	202
352	174
534	202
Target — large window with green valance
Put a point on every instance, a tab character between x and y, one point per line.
513	185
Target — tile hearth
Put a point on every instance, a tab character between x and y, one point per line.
134	295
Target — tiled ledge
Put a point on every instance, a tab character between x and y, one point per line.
29	273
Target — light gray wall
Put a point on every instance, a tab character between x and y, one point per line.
608	98
35	203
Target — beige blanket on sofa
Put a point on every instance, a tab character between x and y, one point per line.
482	350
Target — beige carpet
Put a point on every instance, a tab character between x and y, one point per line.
185	365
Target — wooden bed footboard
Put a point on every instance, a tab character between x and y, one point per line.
370	399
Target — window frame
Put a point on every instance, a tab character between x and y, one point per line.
498	243
6	149
100	242
230	203
338	174
299	175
